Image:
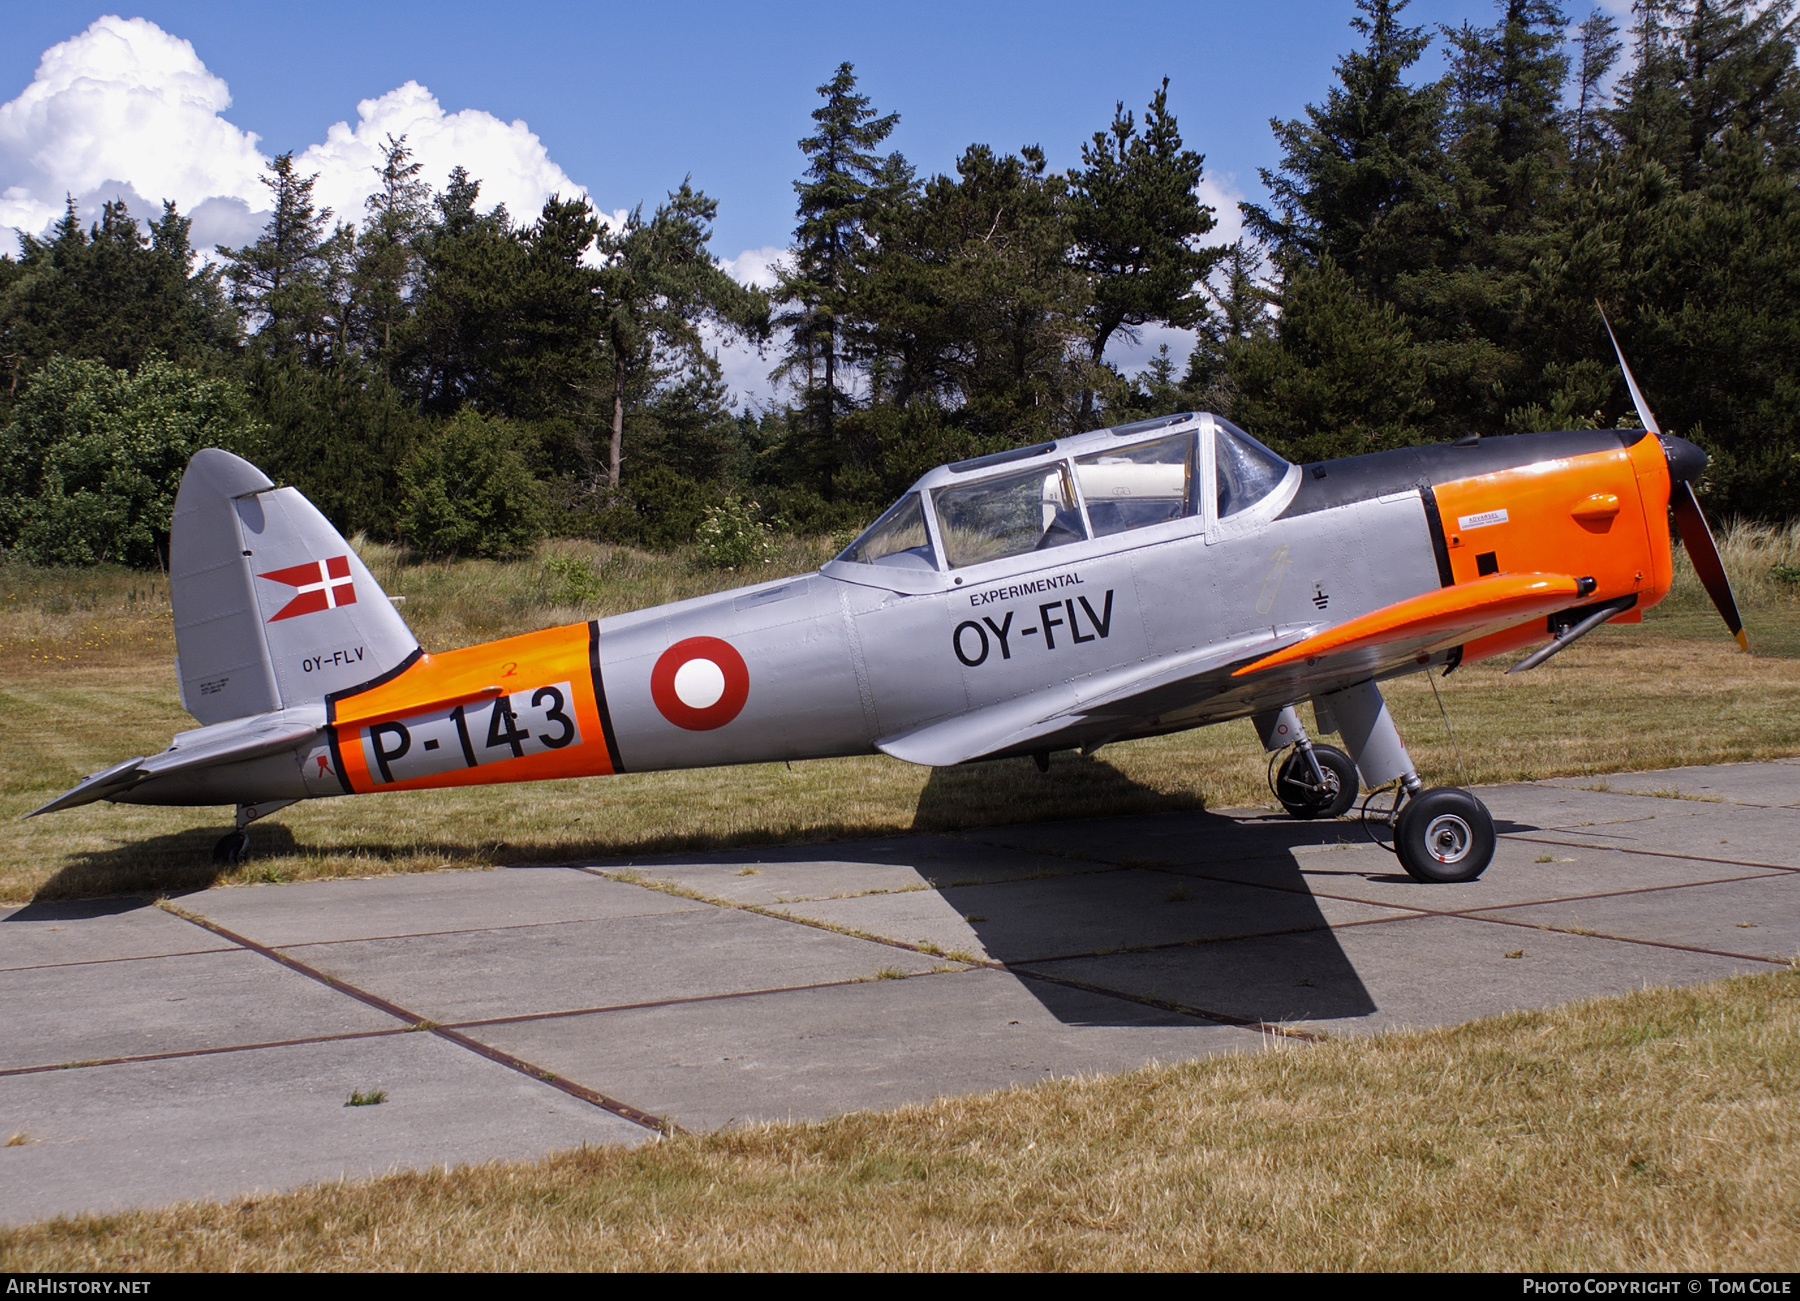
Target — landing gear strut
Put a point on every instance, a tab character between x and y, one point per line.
1312	781
1441	835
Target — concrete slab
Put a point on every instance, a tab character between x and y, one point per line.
1759	918
1724	833
95	930
1094	912
816	1053
157	1005
1389	975
695	953
237	1124
324	912
1374	876
817	872
1768	785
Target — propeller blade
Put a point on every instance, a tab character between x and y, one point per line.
1637	394
1703	552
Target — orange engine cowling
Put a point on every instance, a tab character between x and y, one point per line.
1600	514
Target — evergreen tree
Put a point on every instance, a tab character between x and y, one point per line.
660	286
1135	218
1589	135
1365	179
279	281
387	255
470	264
845	187
108	293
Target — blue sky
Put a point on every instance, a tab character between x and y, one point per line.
188	99
628	99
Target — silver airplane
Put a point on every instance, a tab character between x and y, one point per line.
1124	583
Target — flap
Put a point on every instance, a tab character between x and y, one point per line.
1434	620
1013	723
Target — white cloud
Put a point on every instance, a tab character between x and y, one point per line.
755	267
126	110
124	105
506	157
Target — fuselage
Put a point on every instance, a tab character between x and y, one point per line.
829	663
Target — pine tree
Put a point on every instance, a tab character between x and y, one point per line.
1365	179
279	281
461	327
1135	218
1589	135
109	293
659	288
387	256
845	186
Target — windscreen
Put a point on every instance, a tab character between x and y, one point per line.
898	539
1032	511
1247	470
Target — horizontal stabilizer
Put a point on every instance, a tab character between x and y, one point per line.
95	786
1435	620
203	747
1012	724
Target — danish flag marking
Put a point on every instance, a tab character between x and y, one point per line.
321	584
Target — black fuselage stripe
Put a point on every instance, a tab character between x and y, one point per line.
332	699
337	757
606	723
1439	546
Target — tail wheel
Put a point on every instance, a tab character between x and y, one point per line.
233	848
1299	791
1444	835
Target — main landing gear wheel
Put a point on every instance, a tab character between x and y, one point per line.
1444	835
1299	791
233	848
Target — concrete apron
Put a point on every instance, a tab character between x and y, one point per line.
148	1056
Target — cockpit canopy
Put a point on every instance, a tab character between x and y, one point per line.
1099	485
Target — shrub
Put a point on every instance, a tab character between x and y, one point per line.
91	462
469	492
732	536
669	506
572	581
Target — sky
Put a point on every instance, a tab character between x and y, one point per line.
188	100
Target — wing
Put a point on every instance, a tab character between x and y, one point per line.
1239	675
1385	639
1129	694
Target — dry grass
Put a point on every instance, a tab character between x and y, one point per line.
85	680
1654	1132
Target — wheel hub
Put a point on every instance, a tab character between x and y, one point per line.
1448	837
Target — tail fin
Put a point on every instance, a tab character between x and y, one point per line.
272	607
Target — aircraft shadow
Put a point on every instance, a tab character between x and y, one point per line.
175	863
1148	915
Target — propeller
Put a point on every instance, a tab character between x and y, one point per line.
1685	464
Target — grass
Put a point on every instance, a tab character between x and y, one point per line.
1652	1132
368	1097
86	680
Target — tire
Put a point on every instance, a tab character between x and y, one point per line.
1444	836
1294	784
232	848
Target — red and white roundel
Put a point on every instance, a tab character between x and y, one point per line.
700	683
